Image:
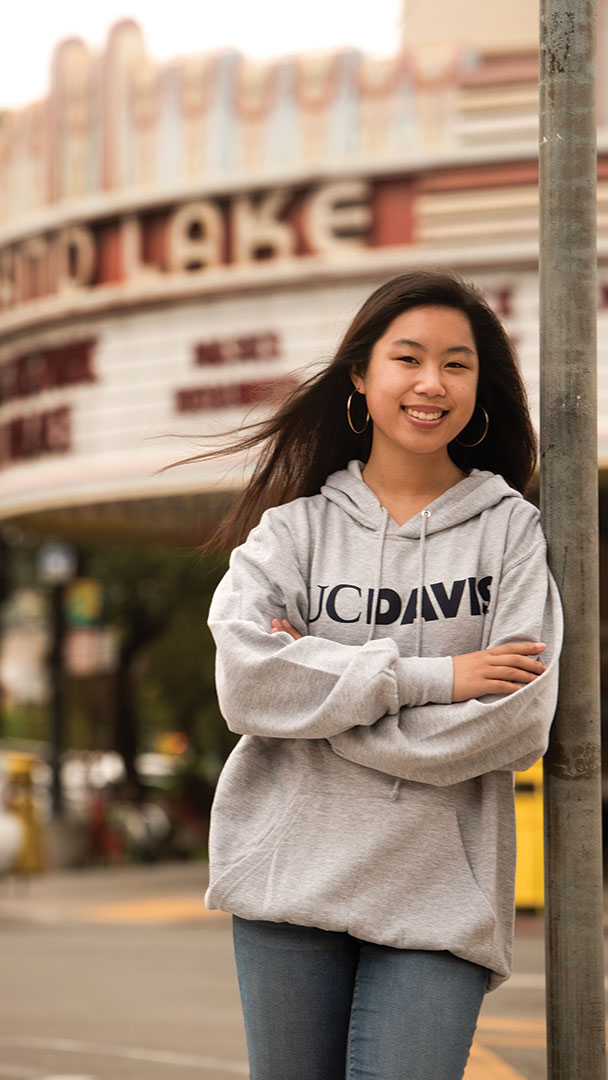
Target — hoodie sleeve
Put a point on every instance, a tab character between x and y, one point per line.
446	744
270	685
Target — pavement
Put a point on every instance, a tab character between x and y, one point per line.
153	894
96	913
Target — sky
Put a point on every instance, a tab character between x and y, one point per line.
258	28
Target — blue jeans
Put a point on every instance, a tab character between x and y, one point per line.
320	1005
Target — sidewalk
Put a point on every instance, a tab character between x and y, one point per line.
160	892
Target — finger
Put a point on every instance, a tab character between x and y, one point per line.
501	687
514	675
284	626
525	663
524	648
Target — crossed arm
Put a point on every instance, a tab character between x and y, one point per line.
501	670
435	720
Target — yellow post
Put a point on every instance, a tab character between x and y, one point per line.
20	802
530	875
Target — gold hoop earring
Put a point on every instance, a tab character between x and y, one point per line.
357	431
485	430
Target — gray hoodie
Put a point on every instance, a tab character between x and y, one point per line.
360	798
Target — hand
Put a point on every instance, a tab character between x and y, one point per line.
501	670
276	625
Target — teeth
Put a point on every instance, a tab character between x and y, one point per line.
424	415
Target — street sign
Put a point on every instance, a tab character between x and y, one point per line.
83	602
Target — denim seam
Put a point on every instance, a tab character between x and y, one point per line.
353	1006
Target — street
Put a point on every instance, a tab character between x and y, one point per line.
122	973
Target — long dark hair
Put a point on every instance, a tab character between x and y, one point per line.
308	437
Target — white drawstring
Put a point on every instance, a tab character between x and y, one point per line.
425	515
419	602
376	592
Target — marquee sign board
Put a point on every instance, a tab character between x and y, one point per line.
277	223
96	411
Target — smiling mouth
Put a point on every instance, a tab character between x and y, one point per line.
422	414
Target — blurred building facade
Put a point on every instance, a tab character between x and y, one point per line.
492	27
180	242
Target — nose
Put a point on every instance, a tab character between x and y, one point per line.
429	381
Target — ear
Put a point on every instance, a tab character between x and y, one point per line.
357	380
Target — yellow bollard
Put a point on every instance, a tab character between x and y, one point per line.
529	877
20	801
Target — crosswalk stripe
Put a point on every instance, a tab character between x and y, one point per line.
150	909
485	1065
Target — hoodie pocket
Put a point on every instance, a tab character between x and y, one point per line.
392	872
419	878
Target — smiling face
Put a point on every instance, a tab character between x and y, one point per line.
420	383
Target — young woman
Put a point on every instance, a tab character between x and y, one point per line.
387	641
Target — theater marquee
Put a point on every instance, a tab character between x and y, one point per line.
124	329
196	237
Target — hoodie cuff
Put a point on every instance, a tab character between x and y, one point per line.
424	679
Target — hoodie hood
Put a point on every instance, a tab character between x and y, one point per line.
477	492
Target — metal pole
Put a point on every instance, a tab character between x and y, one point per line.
572	767
56	699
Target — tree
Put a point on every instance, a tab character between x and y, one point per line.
157	599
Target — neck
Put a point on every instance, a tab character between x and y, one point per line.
419	476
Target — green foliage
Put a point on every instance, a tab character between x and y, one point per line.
158	599
28	721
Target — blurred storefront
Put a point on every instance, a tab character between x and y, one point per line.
179	243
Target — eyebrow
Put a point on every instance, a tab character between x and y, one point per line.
417	345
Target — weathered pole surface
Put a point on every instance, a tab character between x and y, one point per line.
572	772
